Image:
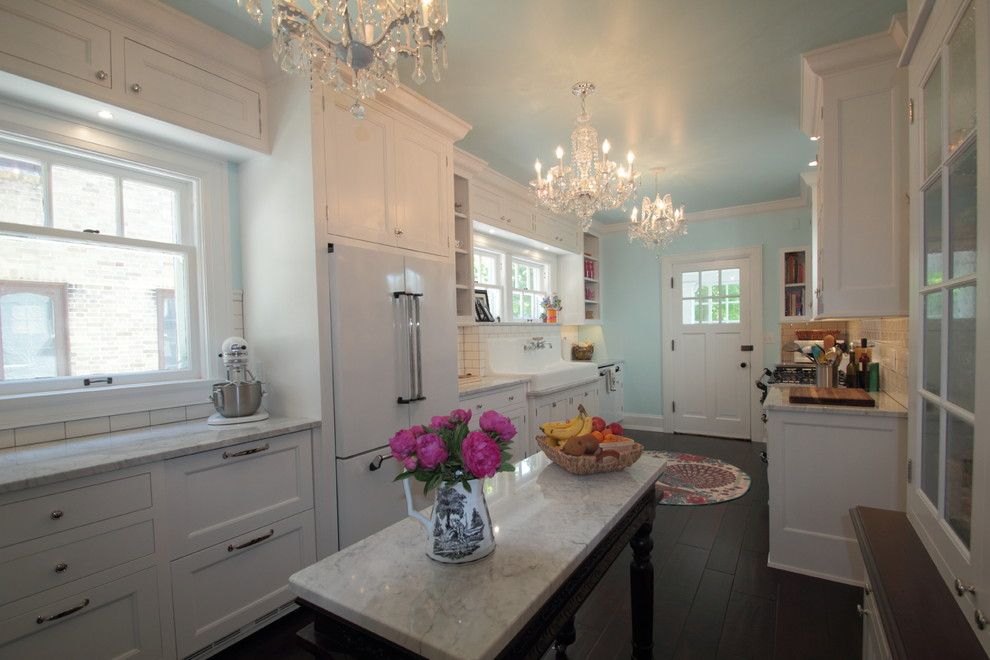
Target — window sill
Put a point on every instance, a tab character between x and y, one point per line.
19	410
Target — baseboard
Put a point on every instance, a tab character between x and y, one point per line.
815	574
639	422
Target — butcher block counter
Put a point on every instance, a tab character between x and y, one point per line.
779	399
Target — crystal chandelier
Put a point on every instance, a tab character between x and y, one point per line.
590	182
660	224
366	36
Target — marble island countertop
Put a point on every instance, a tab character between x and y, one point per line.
474	385
886	405
546	522
36	465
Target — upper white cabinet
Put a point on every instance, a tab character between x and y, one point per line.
178	71
855	100
388	180
494	207
558	232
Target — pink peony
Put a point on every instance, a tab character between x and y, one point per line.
460	416
403	443
493	422
417	430
430	450
441	422
409	462
481	454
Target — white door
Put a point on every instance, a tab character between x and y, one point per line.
710	308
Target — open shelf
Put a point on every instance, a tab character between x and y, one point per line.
795	295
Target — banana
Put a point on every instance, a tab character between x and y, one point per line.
586	426
580	424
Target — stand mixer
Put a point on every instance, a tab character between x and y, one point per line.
238	399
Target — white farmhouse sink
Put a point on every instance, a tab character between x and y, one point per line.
544	367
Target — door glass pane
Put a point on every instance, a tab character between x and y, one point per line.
730	310
730	282
959	476
21	196
962	79
961	375
930	468
931	339
962	213
150	212
29	337
934	271
82	199
933	120
689	285
706	310
709	283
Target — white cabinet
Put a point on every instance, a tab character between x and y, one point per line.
855	100
501	210
158	84
874	639
558	232
423	182
509	401
38	38
560	405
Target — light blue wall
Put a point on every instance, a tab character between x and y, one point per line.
631	292
234	207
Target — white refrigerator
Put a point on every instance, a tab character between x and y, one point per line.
394	344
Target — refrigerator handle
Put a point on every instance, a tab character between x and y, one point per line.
417	328
408	322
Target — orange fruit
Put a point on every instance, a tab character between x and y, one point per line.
597	435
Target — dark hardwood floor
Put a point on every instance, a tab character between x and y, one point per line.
715	595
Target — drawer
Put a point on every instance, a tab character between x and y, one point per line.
500	401
216	495
29	571
34	517
220	589
118	619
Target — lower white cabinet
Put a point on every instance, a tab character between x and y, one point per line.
219	590
509	401
560	405
874	640
118	619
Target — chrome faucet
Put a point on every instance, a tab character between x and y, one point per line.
537	343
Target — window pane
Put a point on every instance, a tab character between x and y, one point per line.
689	285
961	375
21	194
931	378
730	310
962	213
933	120
486	268
933	233
709	283
150	212
31	340
730	282
83	200
959	476
110	318
962	79
930	468
705	310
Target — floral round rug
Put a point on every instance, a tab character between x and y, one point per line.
693	480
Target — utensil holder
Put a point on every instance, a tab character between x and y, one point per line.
827	375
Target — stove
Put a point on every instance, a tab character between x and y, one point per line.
792	373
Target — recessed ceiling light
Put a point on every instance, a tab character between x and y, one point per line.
814	138
105	114
813	163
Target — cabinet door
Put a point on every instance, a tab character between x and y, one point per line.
523	445
119	619
177	91
486	205
359	173
588	397
518	216
424	218
53	46
545	227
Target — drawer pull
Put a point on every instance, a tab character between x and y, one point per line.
61	567
101	75
71	610
56	514
246	452
247	544
478	407
512	398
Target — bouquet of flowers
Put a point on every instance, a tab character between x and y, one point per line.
445	451
551	305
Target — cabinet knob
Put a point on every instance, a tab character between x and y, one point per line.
398	232
101	75
136	88
981	620
743	365
56	514
61	567
512	398
963	589
861	611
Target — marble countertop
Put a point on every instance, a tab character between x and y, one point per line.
483	384
886	406
36	465
546	522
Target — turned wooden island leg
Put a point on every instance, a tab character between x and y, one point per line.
641	591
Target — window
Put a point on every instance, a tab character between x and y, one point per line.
98	264
489	269
516	278
710	296
530	284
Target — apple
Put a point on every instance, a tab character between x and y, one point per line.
597	424
616	428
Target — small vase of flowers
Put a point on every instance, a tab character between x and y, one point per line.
454	460
551	305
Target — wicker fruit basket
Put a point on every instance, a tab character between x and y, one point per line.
582	353
591	464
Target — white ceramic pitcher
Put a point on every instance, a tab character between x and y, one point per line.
459	529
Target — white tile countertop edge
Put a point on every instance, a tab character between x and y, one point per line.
886	406
483	384
546	523
37	465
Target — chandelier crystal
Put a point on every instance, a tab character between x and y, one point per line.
365	36
660	223
589	182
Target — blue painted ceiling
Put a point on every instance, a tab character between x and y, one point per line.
707	89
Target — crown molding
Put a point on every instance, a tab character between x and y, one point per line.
743	210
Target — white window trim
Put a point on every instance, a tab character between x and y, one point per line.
214	295
510	251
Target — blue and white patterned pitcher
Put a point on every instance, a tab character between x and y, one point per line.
459	529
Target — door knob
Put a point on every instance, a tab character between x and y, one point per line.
743	365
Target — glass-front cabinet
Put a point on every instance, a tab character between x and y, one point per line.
949	493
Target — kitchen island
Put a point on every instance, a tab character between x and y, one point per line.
556	535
